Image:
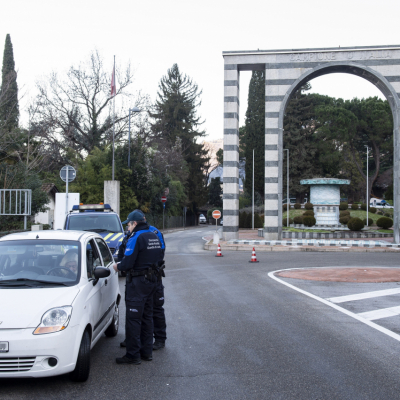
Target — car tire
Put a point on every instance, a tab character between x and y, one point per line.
82	368
112	329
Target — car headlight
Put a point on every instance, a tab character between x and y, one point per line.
54	320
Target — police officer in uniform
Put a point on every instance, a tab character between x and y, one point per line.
159	322
143	252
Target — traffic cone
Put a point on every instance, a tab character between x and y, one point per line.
219	254
253	257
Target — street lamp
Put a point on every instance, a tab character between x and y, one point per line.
367	183
287	189
134	109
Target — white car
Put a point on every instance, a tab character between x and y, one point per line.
202	219
58	296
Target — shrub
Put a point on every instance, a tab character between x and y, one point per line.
384	222
343	206
344	213
284	221
258	222
285	207
370	221
379	212
297	206
344	220
355	224
388	215
248	221
354	206
309	206
309	220
363	207
298	219
242	219
372	210
308	213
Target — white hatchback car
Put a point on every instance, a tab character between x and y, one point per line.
58	295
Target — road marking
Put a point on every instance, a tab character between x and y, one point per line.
382	313
336	307
199	231
362	296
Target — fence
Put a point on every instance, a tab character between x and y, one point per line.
16	202
171	222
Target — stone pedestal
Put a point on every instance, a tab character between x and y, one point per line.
111	194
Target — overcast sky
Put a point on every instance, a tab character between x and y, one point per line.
52	35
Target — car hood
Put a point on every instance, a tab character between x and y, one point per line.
113	240
23	308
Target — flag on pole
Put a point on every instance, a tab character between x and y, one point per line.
113	85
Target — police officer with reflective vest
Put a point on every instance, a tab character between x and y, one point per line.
140	262
159	323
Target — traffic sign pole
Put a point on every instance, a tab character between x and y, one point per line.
66	192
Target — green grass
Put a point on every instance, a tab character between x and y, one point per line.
385	231
304	230
362	215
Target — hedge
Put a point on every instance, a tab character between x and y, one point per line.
297	206
355	224
385	222
309	220
307	213
370	221
372	210
284	221
345	219
354	206
309	206
344	213
298	219
343	206
363	207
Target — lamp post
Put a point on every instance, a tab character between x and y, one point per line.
134	109
367	201
287	189
252	216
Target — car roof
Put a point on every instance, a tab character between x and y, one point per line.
49	234
81	213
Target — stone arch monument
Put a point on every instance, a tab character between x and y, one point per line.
285	72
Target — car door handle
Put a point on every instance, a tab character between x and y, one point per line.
105	283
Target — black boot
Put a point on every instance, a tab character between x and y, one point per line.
157	345
127	360
123	344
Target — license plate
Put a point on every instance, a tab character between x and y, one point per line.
3	347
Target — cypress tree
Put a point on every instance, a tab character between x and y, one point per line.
176	120
255	133
9	108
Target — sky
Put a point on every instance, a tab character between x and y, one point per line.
153	35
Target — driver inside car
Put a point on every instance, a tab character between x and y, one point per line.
70	262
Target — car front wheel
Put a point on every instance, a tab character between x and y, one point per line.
112	330
82	368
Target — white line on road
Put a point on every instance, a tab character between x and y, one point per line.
362	296
336	307
382	313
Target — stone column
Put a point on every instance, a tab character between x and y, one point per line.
111	195
231	152
396	176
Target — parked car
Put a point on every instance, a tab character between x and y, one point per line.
292	200
59	294
221	222
202	219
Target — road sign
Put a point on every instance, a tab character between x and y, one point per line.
71	173
216	214
163	199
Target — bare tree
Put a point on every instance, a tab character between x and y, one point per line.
76	109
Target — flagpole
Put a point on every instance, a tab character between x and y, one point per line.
113	124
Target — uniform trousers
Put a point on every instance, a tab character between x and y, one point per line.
160	326
139	317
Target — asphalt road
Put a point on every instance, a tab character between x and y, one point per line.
235	333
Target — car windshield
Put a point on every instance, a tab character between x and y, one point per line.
39	263
94	223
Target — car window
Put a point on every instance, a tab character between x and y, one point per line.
105	251
56	262
92	258
95	223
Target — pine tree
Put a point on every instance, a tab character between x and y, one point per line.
255	133
215	192
9	108
176	120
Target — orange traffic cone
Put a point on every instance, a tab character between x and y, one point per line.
219	254
253	257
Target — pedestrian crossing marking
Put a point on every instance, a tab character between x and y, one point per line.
362	296
381	313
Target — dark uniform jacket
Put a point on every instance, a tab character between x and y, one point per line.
143	249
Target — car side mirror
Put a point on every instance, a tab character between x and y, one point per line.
101	272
